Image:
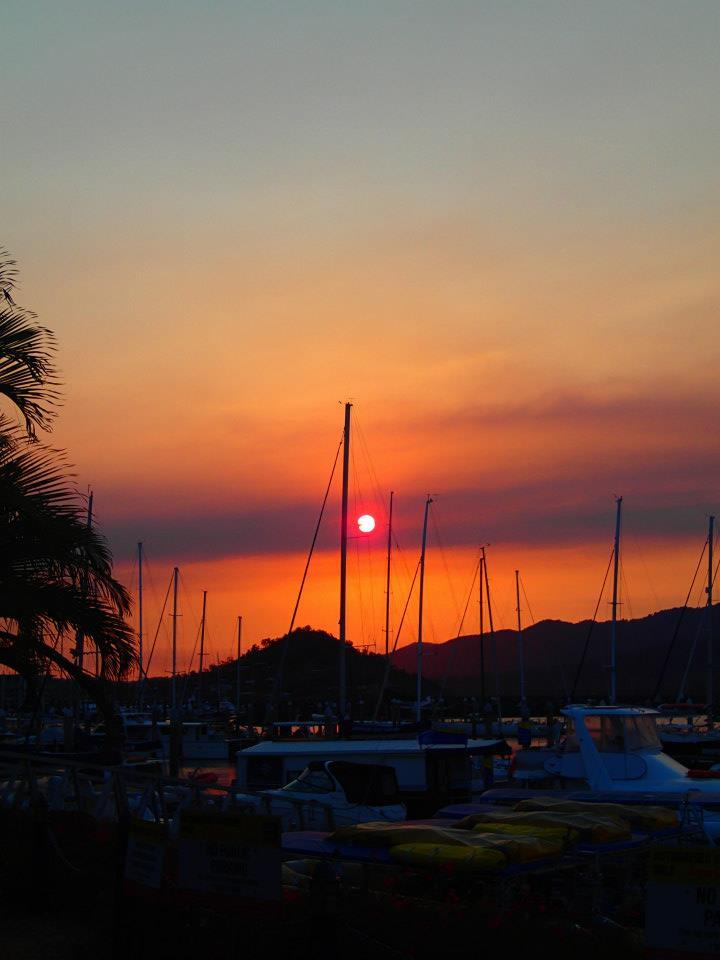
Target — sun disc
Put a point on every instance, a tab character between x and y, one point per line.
366	523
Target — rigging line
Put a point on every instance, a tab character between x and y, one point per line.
283	652
527	602
48	665
453	649
189	669
636	544
556	662
356	488
700	624
443	557
591	628
698	630
388	665
371	467
146	671
625	593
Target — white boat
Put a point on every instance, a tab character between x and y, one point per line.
614	753
429	774
329	794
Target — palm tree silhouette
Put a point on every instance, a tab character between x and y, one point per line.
55	570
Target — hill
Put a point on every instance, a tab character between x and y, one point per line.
553	649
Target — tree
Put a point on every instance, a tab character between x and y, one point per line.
55	571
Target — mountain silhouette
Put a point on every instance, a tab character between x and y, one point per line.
553	650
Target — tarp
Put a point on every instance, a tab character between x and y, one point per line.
595	828
644	818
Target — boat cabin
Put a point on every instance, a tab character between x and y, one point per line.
428	774
615	748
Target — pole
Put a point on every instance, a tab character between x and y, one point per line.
343	561
387	580
482	638
237	675
80	639
174	640
418	710
710	694
140	613
613	630
202	647
521	652
493	647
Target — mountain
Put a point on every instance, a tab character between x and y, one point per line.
553	649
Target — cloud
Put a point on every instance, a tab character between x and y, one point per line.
540	472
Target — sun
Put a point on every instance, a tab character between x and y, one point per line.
366	523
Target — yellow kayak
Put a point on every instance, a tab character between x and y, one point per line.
445	855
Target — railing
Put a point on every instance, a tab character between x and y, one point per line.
108	793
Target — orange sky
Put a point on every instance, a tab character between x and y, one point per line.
493	227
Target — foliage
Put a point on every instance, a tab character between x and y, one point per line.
55	570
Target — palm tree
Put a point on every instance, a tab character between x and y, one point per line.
28	378
55	571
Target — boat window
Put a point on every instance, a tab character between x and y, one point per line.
607	733
373	784
311	781
571	741
641	733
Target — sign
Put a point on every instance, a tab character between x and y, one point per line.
229	855
145	859
682	916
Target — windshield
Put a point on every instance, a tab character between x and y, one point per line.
641	733
311	781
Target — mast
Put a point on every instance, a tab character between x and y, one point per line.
418	710
613	630
140	613
710	694
343	560
202	647
80	636
174	639
237	675
387	579
521	652
492	634
482	634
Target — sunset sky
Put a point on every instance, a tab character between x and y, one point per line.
491	225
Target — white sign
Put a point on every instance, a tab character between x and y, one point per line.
682	918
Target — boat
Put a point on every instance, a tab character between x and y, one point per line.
432	770
689	736
329	794
614	753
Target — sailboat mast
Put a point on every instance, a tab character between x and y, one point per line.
613	629
482	633
387	579
710	694
418	700
202	647
492	635
174	640
343	561
237	673
140	613
521	652
80	636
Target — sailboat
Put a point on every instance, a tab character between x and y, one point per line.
685	737
613	753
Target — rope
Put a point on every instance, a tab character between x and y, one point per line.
678	623
591	628
453	650
395	643
157	632
286	640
